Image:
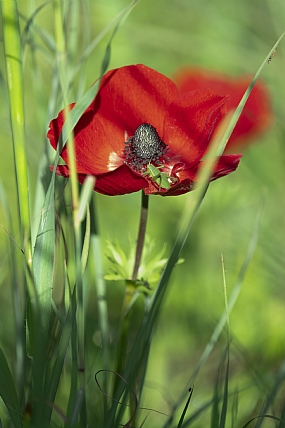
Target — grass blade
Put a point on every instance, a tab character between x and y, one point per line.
13	61
270	399
185	408
8	392
226	393
43	256
18	303
60	357
226	383
86	99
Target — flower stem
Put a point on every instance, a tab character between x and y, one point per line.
130	290
141	234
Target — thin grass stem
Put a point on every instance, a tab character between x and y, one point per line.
64	83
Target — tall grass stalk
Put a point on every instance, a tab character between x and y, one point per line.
14	71
18	304
62	68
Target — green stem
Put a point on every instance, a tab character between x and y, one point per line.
13	59
14	72
64	82
141	235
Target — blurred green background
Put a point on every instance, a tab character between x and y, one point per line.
227	36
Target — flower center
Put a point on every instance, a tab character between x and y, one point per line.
144	148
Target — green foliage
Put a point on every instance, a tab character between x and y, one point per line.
8	392
61	322
151	266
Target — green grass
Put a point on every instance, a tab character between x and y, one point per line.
57	311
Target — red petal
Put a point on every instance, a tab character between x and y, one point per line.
119	182
62	170
257	114
93	153
132	95
189	125
127	97
225	165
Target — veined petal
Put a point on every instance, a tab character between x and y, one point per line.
119	182
132	95
190	122
94	155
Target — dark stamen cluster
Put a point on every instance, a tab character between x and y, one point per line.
144	147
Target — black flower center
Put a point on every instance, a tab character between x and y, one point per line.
144	147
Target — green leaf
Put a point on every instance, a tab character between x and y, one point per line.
8	392
43	258
60	356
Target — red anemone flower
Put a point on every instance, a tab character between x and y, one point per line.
256	116
140	133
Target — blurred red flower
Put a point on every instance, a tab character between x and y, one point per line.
257	114
140	133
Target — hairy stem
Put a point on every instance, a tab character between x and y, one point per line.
141	234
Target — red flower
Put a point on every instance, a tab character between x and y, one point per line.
140	133
256	116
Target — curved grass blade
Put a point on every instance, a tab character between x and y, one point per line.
270	399
45	36
241	105
118	20
185	408
8	392
86	99
30	22
262	417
